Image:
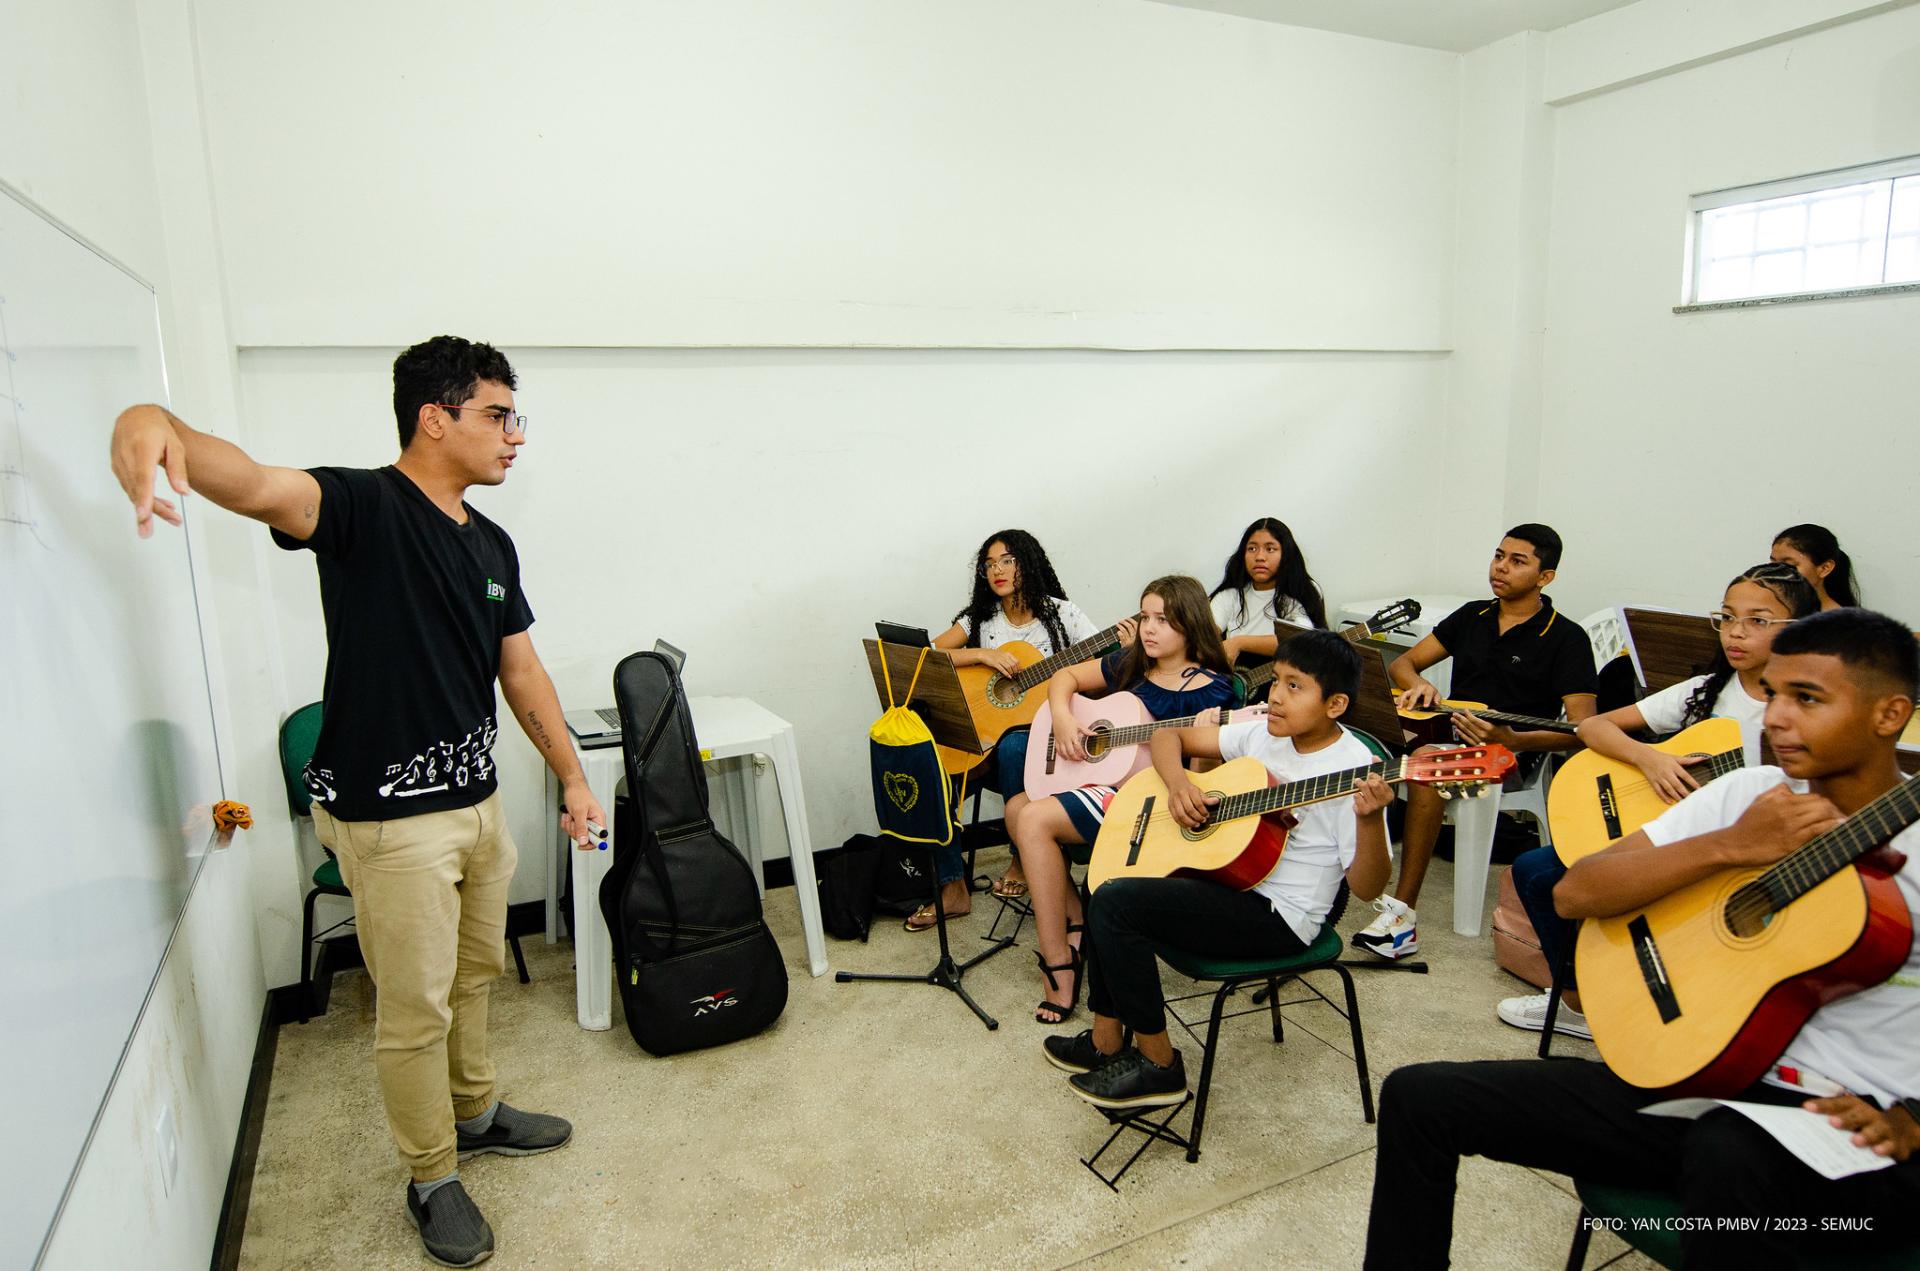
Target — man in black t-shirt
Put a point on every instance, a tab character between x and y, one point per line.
424	612
1515	653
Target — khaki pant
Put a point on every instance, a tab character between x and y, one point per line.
430	904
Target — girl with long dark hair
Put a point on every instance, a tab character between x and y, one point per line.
1016	595
1815	552
1173	659
1265	581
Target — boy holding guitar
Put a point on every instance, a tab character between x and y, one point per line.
1129	917
1841	686
1516	654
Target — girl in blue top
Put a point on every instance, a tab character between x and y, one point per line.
1175	662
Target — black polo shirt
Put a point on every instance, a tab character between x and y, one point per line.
1528	670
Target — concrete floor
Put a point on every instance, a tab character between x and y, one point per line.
881	1126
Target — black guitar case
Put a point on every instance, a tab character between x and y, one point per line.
694	960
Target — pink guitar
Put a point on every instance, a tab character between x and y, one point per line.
1118	728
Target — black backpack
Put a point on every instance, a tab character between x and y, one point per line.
694	960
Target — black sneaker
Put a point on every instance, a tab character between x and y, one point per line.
451	1226
1131	1081
515	1133
1076	1053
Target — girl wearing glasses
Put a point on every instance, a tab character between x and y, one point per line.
1757	604
1016	596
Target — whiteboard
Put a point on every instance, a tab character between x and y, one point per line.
108	768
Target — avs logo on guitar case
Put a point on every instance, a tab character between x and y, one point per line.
713	1001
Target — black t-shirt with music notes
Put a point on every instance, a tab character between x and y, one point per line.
416	605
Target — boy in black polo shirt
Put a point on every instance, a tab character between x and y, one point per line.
424	611
1516	653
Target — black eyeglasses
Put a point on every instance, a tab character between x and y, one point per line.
508	421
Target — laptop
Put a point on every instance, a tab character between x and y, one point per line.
901	633
596	728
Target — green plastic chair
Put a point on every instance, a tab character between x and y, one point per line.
299	734
1645	1222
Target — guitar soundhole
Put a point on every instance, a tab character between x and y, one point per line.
1746	924
1003	692
1194	836
1097	740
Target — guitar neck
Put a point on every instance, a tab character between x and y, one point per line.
1042	671
1827	854
1534	723
1298	794
1263	674
1135	734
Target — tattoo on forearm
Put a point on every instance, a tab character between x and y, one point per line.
539	730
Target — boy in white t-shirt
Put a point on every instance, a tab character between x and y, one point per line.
1131	918
1841	686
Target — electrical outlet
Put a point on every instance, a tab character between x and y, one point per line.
167	1144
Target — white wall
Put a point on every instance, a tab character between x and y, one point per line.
1080	173
761	509
99	106
1673	446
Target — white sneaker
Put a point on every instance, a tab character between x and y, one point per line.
1391	934
1530	1012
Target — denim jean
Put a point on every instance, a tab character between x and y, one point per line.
1004	771
1534	876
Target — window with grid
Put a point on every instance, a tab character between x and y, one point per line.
1836	232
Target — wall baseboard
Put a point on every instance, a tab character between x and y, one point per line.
282	1004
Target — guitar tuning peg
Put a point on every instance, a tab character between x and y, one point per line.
1446	791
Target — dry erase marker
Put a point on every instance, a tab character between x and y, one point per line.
599	831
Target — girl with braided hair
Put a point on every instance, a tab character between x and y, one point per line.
1758	602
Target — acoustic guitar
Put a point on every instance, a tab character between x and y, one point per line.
1595	800
1434	726
1246	832
1392	618
1001	702
1700	991
1118	730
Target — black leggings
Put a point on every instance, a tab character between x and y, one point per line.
1576	1118
1131	919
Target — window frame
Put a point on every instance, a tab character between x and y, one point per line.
1890	170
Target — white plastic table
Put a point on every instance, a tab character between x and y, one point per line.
724	727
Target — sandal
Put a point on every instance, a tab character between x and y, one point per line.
1052	1012
1009	888
923	919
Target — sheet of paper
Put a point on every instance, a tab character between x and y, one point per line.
1806	1134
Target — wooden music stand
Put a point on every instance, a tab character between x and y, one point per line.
937	696
1372	709
1668	647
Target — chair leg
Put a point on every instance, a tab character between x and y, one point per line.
1206	1071
306	957
1273	1008
1359	1042
1582	1235
519	958
1554	993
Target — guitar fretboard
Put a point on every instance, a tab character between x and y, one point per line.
1298	794
1042	671
1827	854
1536	723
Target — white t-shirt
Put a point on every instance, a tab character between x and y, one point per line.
1866	1042
1665	711
996	631
1319	849
1255	611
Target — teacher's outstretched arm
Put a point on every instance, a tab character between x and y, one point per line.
149	437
